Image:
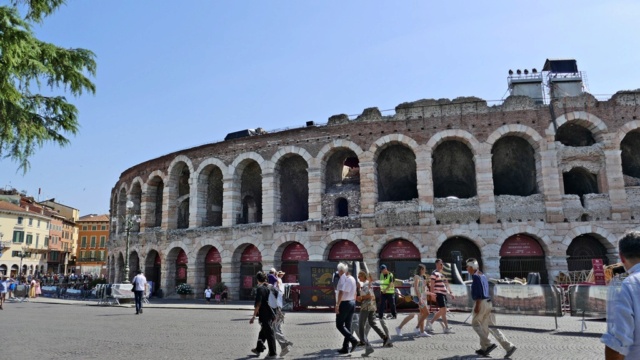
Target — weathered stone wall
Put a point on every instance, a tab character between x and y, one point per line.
549	215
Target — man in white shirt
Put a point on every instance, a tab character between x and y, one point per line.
345	307
279	320
622	338
139	286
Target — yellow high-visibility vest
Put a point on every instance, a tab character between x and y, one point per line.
387	280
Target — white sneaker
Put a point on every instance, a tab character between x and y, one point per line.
416	330
284	351
424	334
449	331
428	327
398	331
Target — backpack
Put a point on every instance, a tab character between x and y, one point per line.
273	296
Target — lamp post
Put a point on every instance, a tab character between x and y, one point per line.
23	254
129	221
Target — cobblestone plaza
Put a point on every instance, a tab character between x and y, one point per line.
41	330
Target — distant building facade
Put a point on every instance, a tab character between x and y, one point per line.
91	253
540	183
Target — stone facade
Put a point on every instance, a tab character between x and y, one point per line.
434	171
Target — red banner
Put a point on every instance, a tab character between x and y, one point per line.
213	256
212	280
182	258
400	249
521	245
295	252
344	250
247	282
598	271
251	254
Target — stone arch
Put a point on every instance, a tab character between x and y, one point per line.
451	233
178	192
292	173
121	209
380	243
628	141
457	135
289	150
594	124
467	246
281	242
623	131
502	141
520	130
453	170
536	233
330	148
153	199
135	195
169	264
395	159
330	239
247	172
209	195
241	161
604	236
247	269
153	267
340	165
580	181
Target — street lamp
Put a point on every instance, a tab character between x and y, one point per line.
129	221
22	254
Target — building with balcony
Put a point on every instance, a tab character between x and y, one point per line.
24	233
544	181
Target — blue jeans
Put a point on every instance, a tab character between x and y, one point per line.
343	322
138	298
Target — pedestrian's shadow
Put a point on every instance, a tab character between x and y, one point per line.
470	357
330	354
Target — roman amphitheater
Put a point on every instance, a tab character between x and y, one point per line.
544	181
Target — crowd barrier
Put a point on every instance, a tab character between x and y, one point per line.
590	300
110	294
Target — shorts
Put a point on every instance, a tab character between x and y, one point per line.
417	301
441	300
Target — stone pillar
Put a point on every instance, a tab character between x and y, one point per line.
614	183
270	198
315	194
491	266
550	181
425	188
231	204
169	206
230	275
368	193
484	184
197	202
197	283
555	265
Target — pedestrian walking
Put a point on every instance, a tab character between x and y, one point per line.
207	294
32	288
279	320
265	315
367	299
345	307
622	338
38	289
420	298
440	286
139	287
387	291
482	318
4	287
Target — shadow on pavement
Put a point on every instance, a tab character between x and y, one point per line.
578	333
317	323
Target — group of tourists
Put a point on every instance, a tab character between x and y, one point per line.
268	310
349	291
8	288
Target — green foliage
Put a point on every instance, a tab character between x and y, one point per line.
184	288
28	118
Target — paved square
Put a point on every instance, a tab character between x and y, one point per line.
39	330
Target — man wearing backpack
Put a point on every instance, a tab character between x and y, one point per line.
265	316
276	299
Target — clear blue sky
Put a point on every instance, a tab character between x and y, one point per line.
177	74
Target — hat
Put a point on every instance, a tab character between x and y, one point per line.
383	267
280	272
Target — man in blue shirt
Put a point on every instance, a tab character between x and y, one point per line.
622	338
482	317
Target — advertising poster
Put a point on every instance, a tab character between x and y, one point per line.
527	300
316	288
